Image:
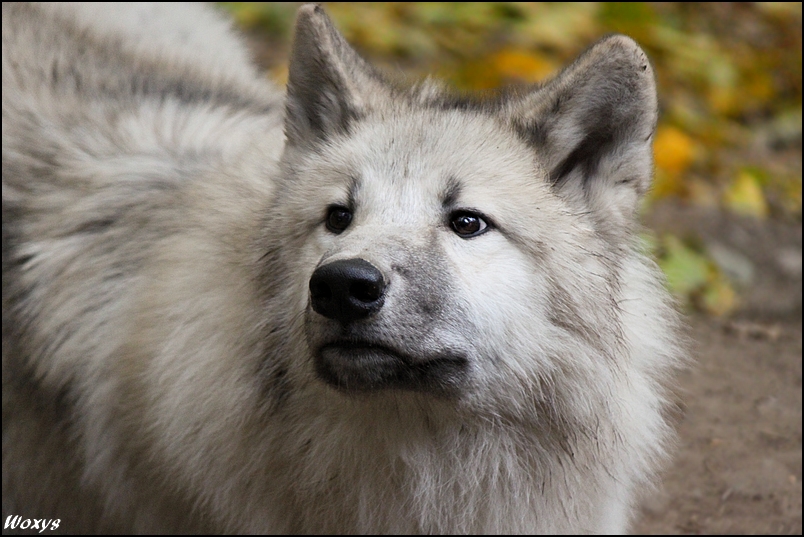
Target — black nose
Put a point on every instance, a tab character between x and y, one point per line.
347	290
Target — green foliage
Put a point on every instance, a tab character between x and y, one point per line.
729	78
692	276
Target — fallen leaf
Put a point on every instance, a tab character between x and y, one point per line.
744	196
673	150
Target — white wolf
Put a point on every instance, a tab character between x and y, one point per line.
353	308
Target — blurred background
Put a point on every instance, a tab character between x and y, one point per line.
725	209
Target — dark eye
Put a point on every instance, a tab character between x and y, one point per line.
467	224
338	218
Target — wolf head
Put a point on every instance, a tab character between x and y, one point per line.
443	242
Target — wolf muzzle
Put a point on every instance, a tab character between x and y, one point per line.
355	358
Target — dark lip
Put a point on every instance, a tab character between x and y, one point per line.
366	366
367	346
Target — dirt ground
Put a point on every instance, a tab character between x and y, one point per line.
737	468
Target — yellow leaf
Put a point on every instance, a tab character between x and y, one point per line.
673	150
744	196
719	297
526	66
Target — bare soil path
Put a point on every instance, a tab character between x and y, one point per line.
738	466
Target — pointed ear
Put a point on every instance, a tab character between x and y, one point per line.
329	85
592	128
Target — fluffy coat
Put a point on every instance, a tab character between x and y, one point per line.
165	209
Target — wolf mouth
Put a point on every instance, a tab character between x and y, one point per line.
364	367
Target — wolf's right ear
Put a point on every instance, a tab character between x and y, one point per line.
329	84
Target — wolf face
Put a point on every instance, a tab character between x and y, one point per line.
435	226
354	308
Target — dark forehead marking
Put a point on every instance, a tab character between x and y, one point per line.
451	192
354	188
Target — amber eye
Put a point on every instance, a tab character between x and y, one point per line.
338	218
467	224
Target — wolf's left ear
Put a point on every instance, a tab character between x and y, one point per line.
329	84
592	129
